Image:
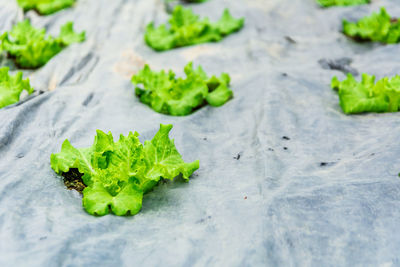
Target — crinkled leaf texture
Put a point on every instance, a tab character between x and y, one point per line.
31	48
368	96
379	27
117	174
186	28
188	1
166	94
328	3
11	87
45	7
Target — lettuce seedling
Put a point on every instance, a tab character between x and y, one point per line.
328	3
368	96
379	27
117	174
186	28
188	1
45	7
11	87
31	48
166	94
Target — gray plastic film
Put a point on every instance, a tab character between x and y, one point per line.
311	187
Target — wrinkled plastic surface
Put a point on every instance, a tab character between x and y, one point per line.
329	196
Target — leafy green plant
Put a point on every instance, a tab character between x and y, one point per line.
186	28
31	48
45	7
379	27
11	87
368	96
117	174
166	94
328	3
188	1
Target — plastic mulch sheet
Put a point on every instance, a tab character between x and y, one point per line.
285	177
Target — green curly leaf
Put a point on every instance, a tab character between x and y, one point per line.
45	7
379	27
368	96
117	174
166	94
11	87
186	28
31	48
328	3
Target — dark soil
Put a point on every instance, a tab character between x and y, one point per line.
73	180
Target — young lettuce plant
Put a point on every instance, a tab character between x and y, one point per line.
11	87
170	4
186	28
117	174
31	48
188	1
368	96
379	27
166	94
328	3
45	7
